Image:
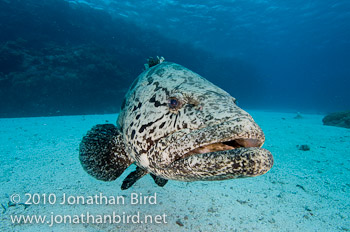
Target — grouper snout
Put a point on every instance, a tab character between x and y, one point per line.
231	149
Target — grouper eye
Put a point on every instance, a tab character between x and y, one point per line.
174	103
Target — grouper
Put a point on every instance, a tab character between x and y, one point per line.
176	125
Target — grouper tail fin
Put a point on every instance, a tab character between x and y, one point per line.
102	153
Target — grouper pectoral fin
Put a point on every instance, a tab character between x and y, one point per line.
102	153
134	176
159	180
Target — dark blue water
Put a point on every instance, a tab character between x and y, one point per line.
300	50
78	57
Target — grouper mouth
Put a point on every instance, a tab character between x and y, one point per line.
224	146
224	152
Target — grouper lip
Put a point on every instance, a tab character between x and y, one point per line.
230	159
225	150
230	144
222	165
224	136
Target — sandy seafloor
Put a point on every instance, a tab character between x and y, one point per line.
304	191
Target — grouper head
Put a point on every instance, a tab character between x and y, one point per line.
177	125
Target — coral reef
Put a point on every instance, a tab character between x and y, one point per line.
340	119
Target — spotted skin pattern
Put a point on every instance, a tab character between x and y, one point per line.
170	111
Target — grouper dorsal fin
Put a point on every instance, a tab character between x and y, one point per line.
102	153
154	61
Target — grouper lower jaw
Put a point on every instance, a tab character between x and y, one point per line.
230	164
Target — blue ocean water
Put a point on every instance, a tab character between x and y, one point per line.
290	56
296	52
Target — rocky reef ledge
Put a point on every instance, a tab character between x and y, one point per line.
340	119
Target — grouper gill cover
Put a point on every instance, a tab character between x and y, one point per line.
176	125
